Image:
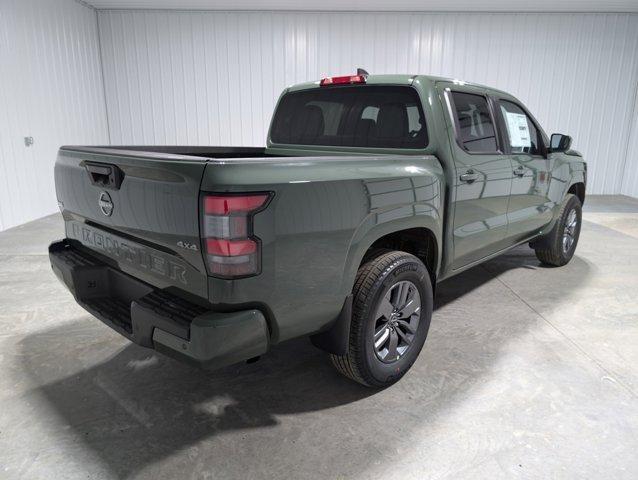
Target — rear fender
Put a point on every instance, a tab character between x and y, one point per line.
368	233
335	339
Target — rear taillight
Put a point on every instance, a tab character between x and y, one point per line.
231	248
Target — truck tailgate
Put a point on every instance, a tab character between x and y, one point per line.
139	210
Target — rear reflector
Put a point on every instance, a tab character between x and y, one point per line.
231	249
233	267
345	80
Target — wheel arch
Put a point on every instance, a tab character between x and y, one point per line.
418	241
578	189
403	234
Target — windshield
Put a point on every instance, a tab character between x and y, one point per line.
351	116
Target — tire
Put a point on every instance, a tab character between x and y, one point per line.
558	246
385	293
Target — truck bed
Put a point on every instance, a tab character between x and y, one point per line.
325	209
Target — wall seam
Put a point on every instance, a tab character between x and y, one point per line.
85	4
406	12
101	62
630	132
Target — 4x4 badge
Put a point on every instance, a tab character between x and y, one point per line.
105	203
187	245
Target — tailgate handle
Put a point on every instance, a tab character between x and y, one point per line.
104	175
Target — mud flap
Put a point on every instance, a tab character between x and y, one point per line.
336	339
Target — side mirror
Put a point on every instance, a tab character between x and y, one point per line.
560	142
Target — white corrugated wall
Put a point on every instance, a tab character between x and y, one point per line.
213	77
50	89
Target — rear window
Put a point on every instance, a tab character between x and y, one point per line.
475	127
351	116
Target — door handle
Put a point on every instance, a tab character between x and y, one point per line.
519	171
469	176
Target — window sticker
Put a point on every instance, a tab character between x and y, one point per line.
518	130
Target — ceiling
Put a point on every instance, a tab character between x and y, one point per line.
380	5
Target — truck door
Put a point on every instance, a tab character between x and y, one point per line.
483	175
530	207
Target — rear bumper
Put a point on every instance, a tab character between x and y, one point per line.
157	319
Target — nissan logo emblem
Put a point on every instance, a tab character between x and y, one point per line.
105	203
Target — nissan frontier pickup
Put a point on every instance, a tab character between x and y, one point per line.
370	190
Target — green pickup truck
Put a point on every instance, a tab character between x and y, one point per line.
372	188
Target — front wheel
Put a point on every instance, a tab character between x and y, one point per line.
558	246
392	308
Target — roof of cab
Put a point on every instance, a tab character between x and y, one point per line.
396	79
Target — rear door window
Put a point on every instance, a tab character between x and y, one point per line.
475	127
351	116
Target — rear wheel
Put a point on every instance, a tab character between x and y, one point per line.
558	246
392	308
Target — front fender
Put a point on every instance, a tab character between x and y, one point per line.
567	171
578	176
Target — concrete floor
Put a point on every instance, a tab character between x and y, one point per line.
528	372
